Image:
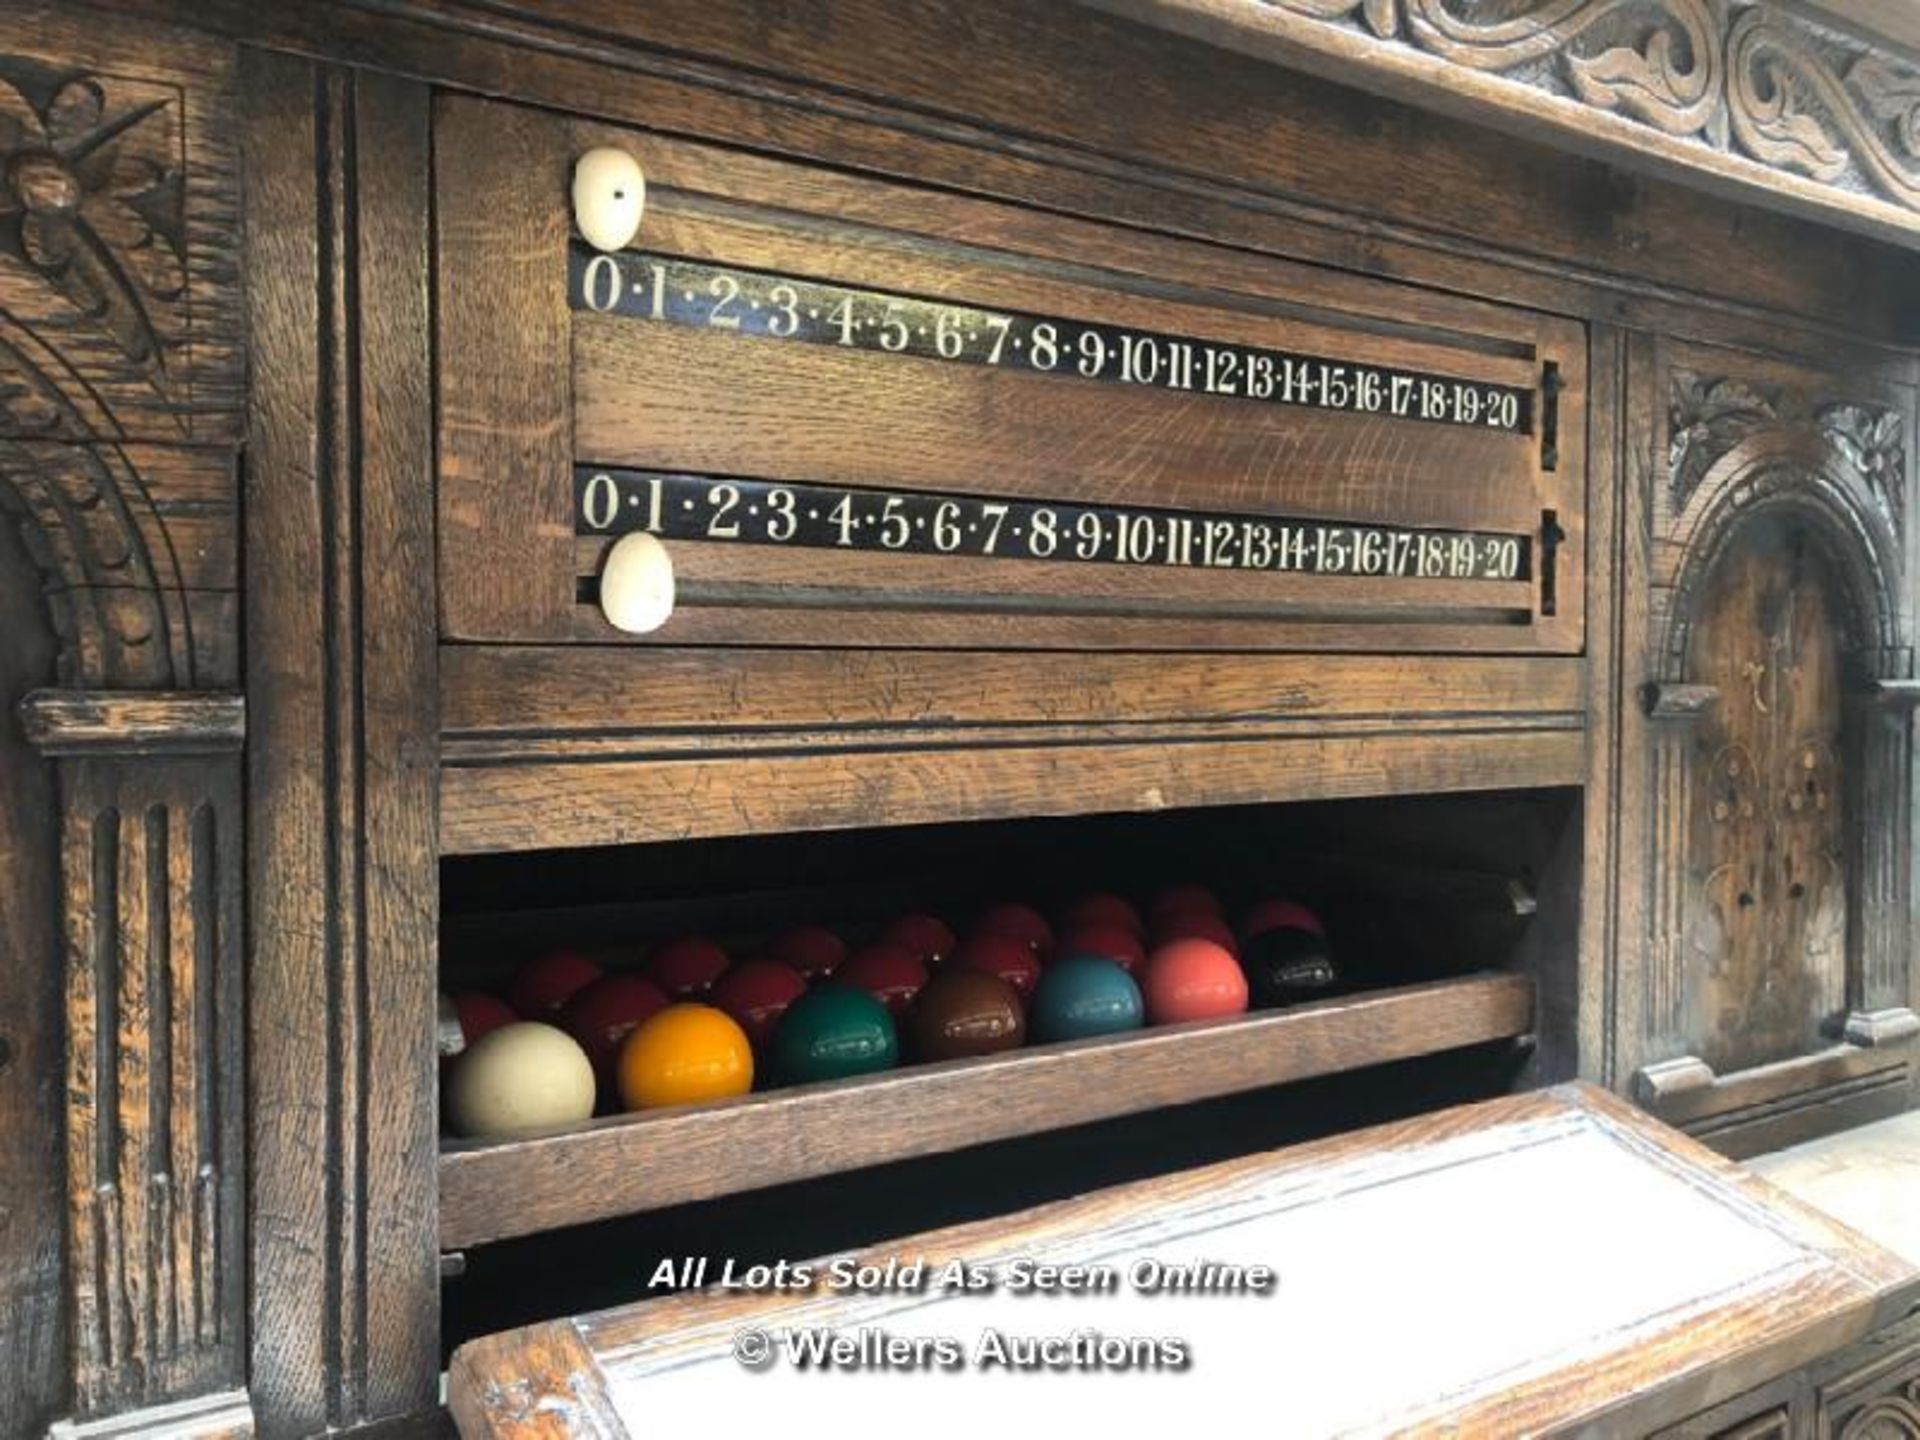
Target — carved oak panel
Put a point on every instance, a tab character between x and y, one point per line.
1777	794
1767	905
1762	94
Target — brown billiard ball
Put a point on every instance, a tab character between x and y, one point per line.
1192	980
963	1013
541	986
1103	910
891	973
1107	940
815	951
930	938
756	993
1003	955
686	967
1022	922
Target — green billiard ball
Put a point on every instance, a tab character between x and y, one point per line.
831	1033
1081	996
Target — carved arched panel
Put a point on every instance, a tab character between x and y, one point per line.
1766	919
1778	799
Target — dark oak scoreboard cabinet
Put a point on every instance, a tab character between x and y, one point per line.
1455	468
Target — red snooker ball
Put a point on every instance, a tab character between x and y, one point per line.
1109	941
479	1012
1278	915
602	1013
1104	910
1022	923
891	973
1193	980
813	950
1007	956
756	993
1197	925
686	966
1182	900
541	986
927	936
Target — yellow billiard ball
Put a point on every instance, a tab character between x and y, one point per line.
687	1054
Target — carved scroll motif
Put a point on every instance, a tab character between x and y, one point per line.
1745	79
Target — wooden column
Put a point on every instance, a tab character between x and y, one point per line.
151	850
342	770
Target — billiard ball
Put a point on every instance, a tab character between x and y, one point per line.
524	1076
997	953
688	1054
962	1013
1022	922
930	938
831	1033
1181	900
1193	980
602	1013
1275	914
686	966
481	1014
891	973
756	993
815	951
1286	966
1107	940
1196	925
1081	996
541	986
1103	910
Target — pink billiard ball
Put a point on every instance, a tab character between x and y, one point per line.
756	993
1104	910
479	1013
1107	940
930	938
541	986
1197	925
813	950
1001	954
1022	923
1178	900
1277	915
686	967
602	1013
891	973
1193	980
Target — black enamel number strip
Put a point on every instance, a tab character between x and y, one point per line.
740	301
758	512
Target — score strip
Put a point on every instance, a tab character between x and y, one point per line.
735	300
609	501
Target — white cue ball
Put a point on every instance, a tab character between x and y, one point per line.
609	196
520	1077
636	584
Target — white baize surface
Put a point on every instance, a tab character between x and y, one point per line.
1474	1265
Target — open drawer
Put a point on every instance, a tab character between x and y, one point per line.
862	414
1554	1263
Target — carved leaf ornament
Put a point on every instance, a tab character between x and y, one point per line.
1746	79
